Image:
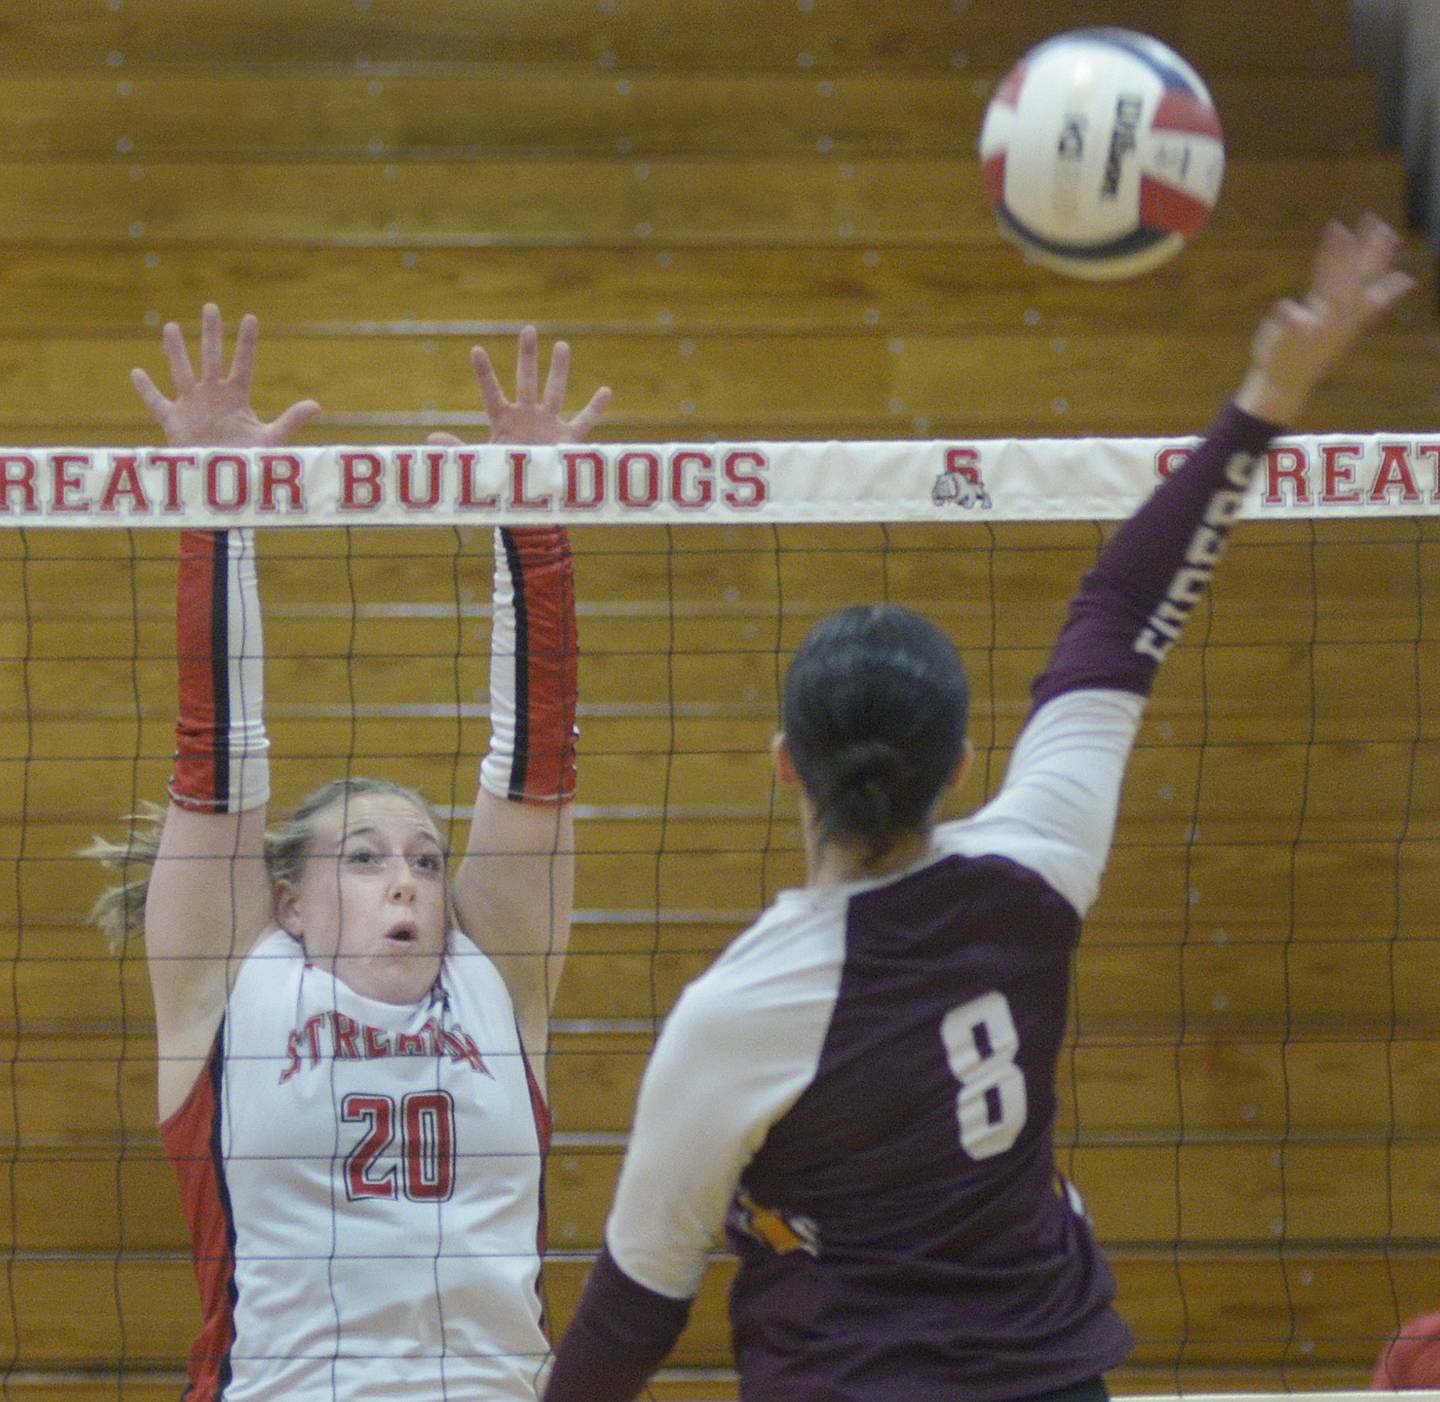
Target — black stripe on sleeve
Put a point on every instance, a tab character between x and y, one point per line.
522	666
220	666
216	1071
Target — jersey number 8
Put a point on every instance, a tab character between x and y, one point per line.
981	1045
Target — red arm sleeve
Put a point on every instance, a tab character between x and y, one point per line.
534	656
221	750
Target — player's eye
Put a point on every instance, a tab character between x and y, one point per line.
428	862
360	857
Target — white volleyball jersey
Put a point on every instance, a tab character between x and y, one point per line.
363	1183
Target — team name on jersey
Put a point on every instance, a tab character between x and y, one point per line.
1206	546
334	1036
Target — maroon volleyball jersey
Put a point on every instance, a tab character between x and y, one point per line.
861	1090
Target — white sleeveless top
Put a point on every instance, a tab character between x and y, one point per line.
371	1222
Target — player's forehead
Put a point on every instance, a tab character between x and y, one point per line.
388	816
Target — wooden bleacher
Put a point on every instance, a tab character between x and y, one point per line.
752	224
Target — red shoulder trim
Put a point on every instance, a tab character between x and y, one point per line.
193	1142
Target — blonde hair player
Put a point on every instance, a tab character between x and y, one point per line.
861	1090
346	1089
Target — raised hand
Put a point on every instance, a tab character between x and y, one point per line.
214	410
532	417
1354	283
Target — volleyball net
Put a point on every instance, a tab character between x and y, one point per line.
1251	1089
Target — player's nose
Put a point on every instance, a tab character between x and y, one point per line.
402	885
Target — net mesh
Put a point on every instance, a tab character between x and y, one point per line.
1249	1089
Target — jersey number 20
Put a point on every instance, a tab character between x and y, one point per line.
981	1044
426	1125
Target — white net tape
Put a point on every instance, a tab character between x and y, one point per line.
1328	477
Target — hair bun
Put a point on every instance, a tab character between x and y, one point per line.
877	762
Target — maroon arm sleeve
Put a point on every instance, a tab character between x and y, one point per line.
1132	605
620	1334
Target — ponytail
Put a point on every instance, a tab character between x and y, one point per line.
119	910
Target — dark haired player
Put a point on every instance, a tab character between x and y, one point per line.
861	1089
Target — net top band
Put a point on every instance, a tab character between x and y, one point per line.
772	483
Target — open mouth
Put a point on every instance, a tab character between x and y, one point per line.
402	934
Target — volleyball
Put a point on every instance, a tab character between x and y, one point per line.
1102	153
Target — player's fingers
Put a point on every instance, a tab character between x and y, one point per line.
172	341
444	440
1385	292
1290	315
1335	266
155	402
1348	263
527	368
587	418
1375	236
1369	224
491	393
1379	247
1285	321
210	338
558	377
287	425
242	363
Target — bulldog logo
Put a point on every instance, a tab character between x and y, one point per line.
961	483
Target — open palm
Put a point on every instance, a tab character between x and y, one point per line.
532	417
214	409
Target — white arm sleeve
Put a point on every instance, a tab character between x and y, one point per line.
721	1074
1055	812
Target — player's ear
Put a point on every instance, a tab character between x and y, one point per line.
785	770
287	909
962	769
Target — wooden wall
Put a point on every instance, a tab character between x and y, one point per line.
754	218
